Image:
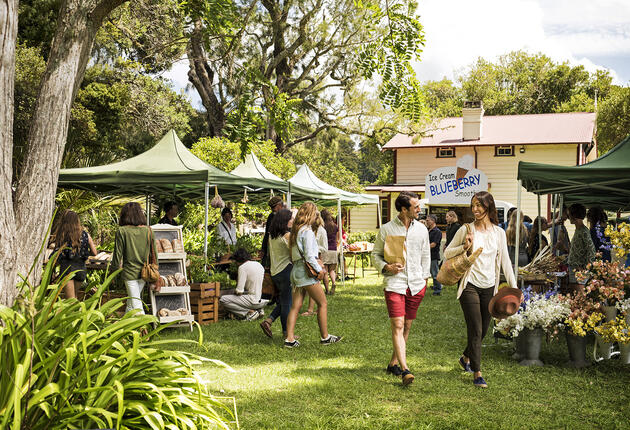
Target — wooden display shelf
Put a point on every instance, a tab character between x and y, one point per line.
175	290
205	310
187	319
171	255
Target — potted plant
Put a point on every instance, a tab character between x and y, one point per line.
539	313
606	284
616	331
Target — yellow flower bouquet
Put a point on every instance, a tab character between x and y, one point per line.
614	331
619	239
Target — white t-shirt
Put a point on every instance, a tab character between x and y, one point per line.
250	279
483	271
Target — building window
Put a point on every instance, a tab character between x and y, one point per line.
384	203
504	151
448	152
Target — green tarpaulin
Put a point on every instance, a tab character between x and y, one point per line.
167	168
604	182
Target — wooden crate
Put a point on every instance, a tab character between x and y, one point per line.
205	289
205	309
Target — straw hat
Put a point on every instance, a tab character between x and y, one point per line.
505	303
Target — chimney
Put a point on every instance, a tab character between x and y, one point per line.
472	114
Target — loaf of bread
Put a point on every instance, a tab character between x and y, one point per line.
179	279
166	245
158	246
162	282
171	281
172	312
178	246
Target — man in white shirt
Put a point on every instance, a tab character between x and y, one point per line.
402	253
247	302
226	228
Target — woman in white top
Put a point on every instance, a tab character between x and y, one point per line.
481	281
280	267
304	249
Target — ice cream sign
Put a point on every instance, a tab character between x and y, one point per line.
455	185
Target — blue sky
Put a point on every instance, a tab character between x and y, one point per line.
594	33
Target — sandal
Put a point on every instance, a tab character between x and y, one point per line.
266	328
307	314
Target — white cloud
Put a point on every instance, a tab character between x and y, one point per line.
459	31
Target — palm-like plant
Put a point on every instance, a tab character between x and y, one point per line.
71	364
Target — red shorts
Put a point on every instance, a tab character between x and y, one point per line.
399	305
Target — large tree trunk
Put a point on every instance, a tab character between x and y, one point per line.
77	25
8	34
201	76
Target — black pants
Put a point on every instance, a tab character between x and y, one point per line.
474	302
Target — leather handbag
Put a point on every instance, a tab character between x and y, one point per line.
310	270
269	290
150	272
454	268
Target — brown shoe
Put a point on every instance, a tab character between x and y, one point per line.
266	328
407	377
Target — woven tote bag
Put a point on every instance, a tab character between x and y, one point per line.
454	268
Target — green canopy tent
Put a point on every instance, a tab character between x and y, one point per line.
253	168
167	168
603	182
305	178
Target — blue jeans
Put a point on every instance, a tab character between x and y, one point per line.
282	281
435	268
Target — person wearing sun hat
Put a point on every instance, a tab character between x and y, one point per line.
480	283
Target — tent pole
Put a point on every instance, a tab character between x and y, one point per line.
554	206
340	229
518	228
379	213
148	208
289	196
205	230
539	225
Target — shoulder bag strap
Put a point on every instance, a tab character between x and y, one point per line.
227	231
151	249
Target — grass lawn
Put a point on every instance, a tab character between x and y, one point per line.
345	386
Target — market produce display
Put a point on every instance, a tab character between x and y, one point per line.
543	263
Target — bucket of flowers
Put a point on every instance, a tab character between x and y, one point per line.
619	240
584	316
539	314
616	331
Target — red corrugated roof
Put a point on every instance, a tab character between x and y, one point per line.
550	128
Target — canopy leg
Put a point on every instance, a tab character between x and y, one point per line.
205	230
148	209
539	226
343	262
518	227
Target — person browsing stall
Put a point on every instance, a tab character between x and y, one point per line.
402	253
435	238
170	212
452	226
275	204
246	302
226	228
481	282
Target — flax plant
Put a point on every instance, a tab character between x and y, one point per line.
72	364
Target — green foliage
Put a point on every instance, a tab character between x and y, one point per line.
252	243
226	155
391	56
376	166
443	98
224	279
522	83
613	119
29	67
197	269
362	236
71	364
37	24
